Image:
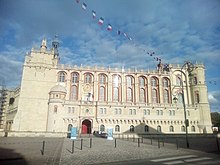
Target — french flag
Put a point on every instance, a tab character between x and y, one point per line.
101	21
109	28
84	6
93	14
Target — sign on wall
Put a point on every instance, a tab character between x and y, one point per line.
110	134
73	133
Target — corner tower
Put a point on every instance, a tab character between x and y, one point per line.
199	97
39	76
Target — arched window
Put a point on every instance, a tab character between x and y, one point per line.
159	128
193	129
102	128
171	129
69	127
146	128
75	78
183	128
142	89
117	128
129	87
131	128
102	93
155	90
102	79
88	77
197	97
166	90
74	93
61	76
102	87
116	87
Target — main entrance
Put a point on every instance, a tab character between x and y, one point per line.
86	127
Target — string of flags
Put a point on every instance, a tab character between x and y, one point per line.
109	27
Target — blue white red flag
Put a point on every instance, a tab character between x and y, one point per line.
101	21
93	14
109	28
84	6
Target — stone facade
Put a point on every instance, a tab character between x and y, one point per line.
54	97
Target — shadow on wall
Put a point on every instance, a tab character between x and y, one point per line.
9	157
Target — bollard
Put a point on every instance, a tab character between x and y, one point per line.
115	142
133	138
42	151
217	143
90	142
81	144
177	145
163	141
72	146
138	142
151	142
158	142
127	138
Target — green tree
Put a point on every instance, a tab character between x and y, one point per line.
215	116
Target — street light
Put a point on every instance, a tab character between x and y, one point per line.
189	69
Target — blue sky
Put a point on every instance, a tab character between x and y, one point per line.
175	30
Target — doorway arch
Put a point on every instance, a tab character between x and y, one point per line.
86	126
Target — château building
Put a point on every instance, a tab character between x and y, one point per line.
54	97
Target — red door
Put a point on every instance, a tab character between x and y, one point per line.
86	127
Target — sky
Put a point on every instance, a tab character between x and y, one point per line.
176	30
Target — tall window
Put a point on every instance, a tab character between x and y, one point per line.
158	128
155	90
166	90
75	78
146	128
166	96
61	76
197	97
88	77
142	89
183	129
130	87
69	127
102	128
193	129
171	129
102	87
116	87
74	93
117	128
131	128
102	93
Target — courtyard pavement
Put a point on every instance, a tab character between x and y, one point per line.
60	151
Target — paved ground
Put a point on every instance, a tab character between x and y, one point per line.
102	151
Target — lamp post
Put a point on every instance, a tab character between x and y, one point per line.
190	67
